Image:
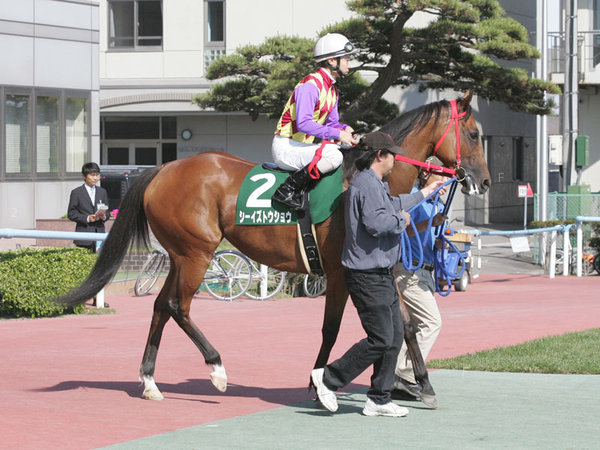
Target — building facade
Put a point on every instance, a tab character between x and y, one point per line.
49	116
132	68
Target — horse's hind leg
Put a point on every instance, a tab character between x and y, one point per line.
159	319
168	304
187	284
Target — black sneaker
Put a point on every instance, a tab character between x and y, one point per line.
413	389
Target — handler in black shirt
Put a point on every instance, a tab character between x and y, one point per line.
374	222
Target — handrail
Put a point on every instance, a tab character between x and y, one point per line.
552	263
8	233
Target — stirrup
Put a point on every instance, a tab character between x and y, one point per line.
295	202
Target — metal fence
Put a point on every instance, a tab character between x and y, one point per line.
563	206
588	51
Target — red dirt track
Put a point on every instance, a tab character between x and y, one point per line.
71	382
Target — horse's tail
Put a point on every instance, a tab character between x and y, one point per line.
130	226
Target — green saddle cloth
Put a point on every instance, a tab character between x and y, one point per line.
254	205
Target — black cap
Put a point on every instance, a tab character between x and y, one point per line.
378	140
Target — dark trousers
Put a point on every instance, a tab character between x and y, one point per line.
375	297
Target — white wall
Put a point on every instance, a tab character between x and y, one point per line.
182	55
589	107
47	44
237	134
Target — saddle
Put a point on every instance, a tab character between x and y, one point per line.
254	206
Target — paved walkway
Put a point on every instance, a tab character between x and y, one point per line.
480	410
71	382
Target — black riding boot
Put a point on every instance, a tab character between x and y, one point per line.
291	192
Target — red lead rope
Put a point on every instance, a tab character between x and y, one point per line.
454	117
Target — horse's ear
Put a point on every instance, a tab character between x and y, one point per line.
465	100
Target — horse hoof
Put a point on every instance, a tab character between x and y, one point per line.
429	400
219	383
153	394
218	377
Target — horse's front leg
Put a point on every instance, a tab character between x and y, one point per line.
427	395
335	302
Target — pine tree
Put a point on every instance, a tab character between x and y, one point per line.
467	45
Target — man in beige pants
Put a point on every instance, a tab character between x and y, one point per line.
418	288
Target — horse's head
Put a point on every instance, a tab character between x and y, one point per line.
458	145
448	131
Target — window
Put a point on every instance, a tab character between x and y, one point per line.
215	21
134	24
214	38
44	133
16	133
132	128
47	134
596	29
138	140
518	159
76	115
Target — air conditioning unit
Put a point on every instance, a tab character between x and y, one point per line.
555	149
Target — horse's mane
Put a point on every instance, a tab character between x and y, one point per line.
416	119
398	128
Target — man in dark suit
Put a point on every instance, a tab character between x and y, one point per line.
88	205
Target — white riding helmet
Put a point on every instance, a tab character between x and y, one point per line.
333	45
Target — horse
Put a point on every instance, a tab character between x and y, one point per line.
190	205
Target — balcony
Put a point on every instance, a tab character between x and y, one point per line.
588	57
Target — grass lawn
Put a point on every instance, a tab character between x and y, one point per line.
571	353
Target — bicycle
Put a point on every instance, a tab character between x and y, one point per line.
150	272
227	277
314	285
266	282
589	263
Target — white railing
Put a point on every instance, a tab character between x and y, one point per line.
553	230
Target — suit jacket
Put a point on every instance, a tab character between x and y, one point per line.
80	207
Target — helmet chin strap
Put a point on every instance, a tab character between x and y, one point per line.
336	69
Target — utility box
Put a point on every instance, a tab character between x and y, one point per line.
578	200
582	150
555	149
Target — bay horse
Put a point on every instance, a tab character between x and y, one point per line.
190	205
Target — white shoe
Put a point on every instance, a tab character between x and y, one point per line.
326	395
390	409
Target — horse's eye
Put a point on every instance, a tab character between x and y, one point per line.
474	135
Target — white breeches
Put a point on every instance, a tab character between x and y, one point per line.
293	155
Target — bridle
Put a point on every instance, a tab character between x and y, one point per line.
440	170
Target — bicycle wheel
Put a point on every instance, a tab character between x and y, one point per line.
149	273
558	263
597	263
275	279
314	285
228	275
587	266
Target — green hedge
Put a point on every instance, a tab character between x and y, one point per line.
28	278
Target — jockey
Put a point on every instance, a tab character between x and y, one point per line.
312	112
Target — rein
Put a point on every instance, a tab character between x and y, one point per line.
440	255
406	255
440	170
